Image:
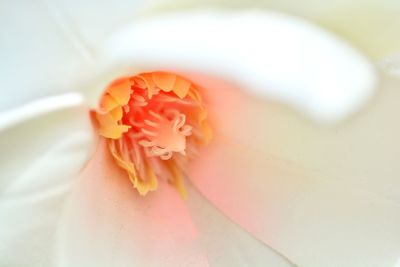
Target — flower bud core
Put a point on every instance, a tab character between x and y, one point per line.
153	122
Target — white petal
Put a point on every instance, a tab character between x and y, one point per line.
358	20
93	21
321	197
108	224
38	107
270	54
40	155
48	47
38	57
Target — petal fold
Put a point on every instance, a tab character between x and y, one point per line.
42	151
320	196
267	53
107	223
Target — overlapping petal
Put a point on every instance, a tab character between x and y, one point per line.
107	223
303	186
41	154
320	196
347	18
259	50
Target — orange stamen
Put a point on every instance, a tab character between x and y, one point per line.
153	123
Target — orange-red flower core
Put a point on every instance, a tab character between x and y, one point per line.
153	122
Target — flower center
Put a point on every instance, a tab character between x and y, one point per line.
153	122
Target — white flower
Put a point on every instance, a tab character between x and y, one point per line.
275	188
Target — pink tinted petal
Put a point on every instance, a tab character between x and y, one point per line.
107	223
320	196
